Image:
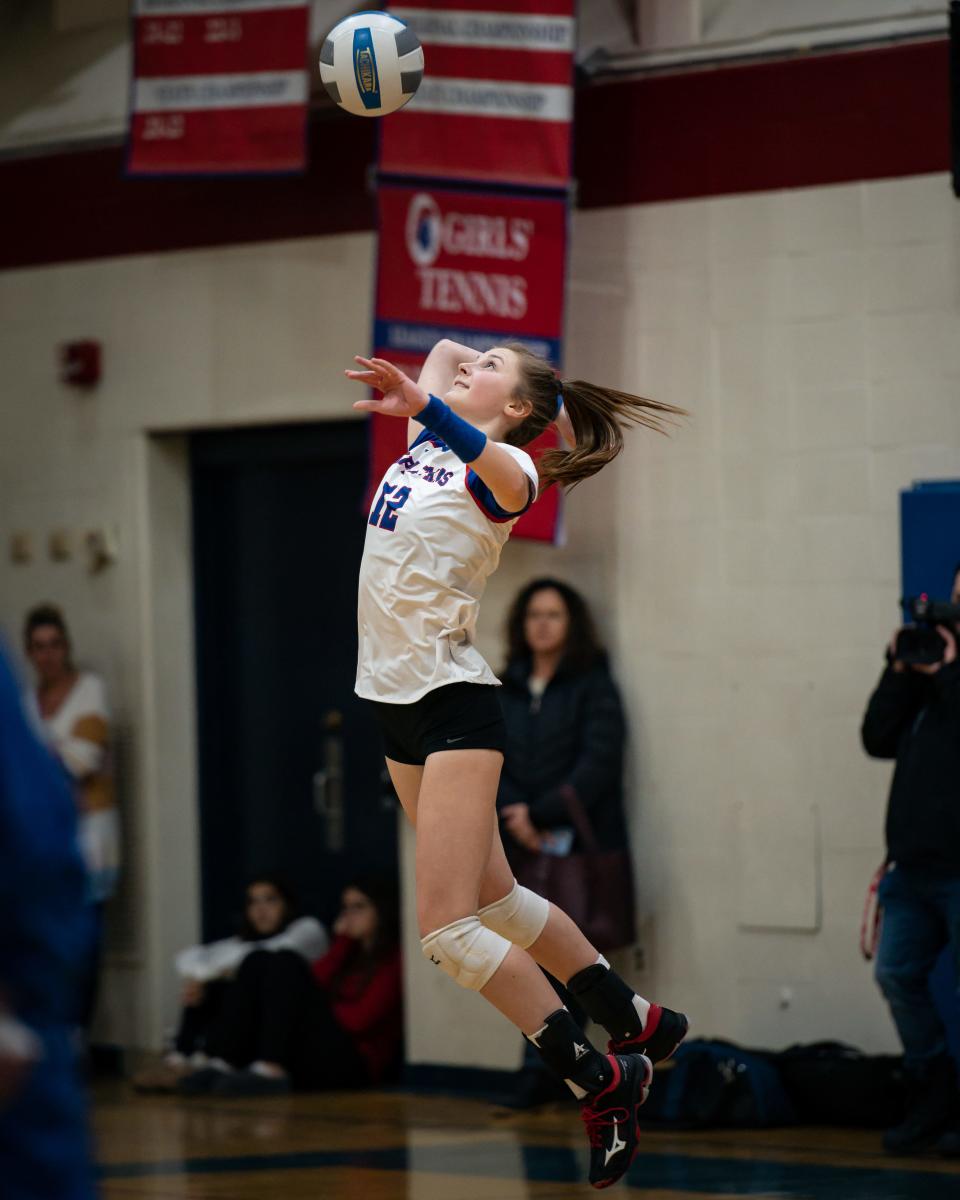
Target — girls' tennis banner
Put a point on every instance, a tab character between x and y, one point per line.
496	101
480	269
219	86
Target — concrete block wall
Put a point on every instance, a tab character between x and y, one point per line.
744	571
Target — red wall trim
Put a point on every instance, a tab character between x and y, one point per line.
798	122
82	205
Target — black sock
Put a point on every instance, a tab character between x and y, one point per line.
607	1000
566	1049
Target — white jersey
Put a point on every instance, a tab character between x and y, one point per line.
434	535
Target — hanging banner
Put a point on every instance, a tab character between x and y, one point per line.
219	86
479	269
496	101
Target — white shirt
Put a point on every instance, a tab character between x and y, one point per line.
220	960
88	762
434	536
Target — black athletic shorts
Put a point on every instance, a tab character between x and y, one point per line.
458	716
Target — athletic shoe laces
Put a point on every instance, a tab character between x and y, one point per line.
597	1122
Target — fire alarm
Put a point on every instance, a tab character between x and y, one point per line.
80	363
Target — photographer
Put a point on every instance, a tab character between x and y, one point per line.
914	717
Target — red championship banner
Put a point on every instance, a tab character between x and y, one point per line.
219	86
480	269
496	101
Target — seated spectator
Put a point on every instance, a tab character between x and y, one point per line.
338	1024
362	976
269	925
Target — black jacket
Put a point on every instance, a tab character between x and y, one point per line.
915	719
575	740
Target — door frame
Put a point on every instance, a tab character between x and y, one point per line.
162	818
162	831
224	463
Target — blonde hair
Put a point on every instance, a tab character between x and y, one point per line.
598	415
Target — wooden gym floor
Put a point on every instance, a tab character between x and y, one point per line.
407	1146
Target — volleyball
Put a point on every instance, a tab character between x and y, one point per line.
371	64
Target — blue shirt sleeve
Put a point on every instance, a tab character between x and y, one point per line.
487	503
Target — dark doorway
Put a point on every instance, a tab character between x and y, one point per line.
290	761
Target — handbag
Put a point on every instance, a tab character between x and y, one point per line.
872	914
594	887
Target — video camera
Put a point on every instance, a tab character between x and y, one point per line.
921	643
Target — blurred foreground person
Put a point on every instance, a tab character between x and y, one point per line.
44	942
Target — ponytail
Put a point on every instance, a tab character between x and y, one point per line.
598	416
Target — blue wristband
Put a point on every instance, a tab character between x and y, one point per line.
465	440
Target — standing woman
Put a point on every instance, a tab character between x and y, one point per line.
434	534
68	708
565	743
565	726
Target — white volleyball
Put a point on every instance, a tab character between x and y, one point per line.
371	64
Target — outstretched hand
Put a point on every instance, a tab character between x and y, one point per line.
401	396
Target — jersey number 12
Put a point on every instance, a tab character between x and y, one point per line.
386	518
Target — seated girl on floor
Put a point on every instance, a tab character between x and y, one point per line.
335	1023
270	925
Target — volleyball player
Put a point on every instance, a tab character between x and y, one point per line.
436	527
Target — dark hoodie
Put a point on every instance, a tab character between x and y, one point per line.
915	719
573	739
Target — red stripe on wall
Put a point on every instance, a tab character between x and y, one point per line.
520	66
75	206
497	147
796	123
210	45
546	8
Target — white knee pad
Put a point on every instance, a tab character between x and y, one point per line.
519	917
467	951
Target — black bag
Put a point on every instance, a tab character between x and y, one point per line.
712	1084
594	887
830	1083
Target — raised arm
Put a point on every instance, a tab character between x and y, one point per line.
83	750
511	486
437	375
401	397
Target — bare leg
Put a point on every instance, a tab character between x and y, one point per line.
454	877
406	781
452	804
561	948
631	1020
456	819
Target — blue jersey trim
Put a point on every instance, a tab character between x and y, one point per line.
427	435
488	505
